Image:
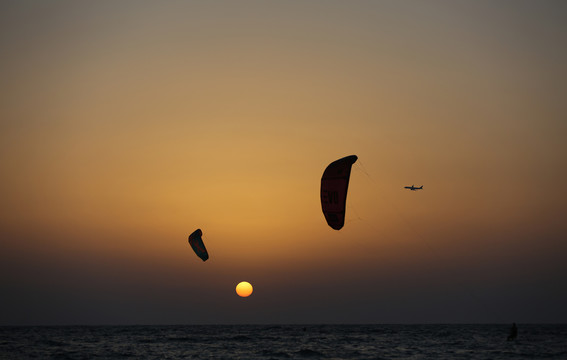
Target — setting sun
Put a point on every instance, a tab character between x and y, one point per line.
244	289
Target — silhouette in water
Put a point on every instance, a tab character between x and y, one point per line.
513	332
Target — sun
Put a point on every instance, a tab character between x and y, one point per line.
244	289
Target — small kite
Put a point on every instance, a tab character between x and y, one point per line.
196	243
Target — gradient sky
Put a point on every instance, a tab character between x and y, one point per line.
126	125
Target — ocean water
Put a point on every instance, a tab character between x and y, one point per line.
284	342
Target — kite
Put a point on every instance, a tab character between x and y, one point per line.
334	186
197	244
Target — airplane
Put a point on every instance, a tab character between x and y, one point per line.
413	188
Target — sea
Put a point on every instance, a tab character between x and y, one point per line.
284	342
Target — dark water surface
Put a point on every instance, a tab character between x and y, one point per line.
284	342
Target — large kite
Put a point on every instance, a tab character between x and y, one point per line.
334	186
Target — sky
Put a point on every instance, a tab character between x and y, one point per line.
125	126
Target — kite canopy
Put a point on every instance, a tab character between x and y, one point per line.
196	243
334	186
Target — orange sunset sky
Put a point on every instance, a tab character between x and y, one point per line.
125	126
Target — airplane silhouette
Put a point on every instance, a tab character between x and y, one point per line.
413	188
